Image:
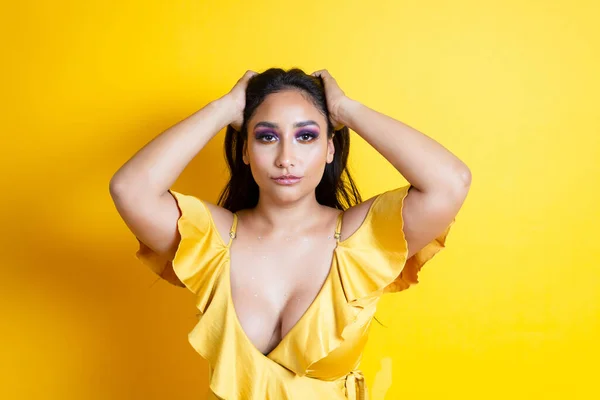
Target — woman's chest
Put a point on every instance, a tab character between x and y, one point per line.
274	286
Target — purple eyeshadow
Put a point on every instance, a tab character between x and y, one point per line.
259	134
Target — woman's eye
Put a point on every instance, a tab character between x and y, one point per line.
266	136
306	136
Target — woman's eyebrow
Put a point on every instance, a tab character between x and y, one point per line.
275	126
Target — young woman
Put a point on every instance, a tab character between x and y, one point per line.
288	268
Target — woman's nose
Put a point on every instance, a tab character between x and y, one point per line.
285	156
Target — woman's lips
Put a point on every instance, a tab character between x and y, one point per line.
287	181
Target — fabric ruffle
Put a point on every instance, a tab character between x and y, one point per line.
377	253
409	274
198	256
330	323
236	371
370	262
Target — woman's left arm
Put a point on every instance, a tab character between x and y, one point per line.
425	163
439	180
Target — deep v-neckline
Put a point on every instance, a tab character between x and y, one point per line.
307	312
295	327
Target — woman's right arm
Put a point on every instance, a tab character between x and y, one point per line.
156	166
139	188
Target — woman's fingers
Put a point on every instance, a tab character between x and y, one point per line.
249	74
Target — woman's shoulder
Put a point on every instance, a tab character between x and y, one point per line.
221	217
354	217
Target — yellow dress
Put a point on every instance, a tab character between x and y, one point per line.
319	356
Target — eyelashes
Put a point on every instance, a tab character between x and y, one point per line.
304	136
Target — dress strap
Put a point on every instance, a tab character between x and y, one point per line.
338	228
232	231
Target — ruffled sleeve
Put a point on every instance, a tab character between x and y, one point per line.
199	254
375	261
391	205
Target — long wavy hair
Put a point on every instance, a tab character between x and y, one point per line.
336	189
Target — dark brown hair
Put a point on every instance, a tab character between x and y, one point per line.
336	189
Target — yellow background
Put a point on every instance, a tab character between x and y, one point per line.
511	309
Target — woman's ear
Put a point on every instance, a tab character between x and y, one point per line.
245	153
330	149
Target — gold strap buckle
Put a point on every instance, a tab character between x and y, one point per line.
355	385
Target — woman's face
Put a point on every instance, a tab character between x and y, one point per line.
287	135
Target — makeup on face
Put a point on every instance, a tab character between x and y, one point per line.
266	132
287	181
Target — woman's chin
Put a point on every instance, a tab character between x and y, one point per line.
285	194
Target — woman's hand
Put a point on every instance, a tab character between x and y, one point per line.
237	96
334	96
